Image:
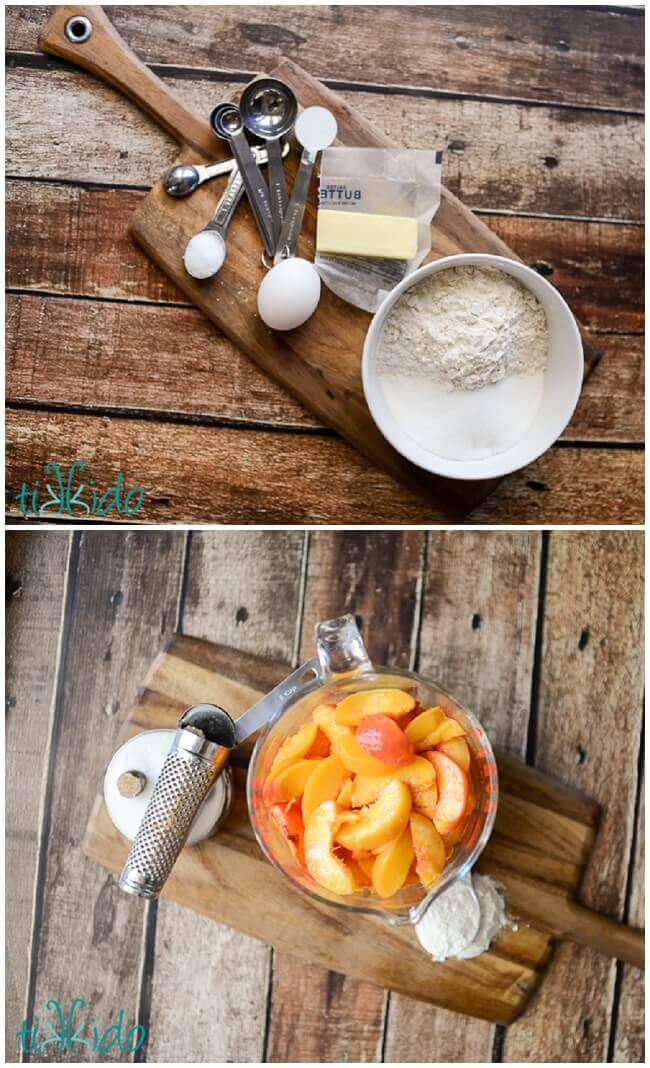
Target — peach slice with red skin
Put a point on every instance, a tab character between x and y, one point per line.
289	781
392	865
324	784
355	757
357	706
418	774
288	819
458	750
382	738
328	870
425	801
429	848
379	823
295	747
453	786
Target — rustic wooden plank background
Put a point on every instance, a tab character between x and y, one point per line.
540	634
539	111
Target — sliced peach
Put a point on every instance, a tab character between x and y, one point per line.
382	738
381	822
392	866
471	798
418	774
289	782
361	876
321	746
366	862
458	750
295	747
325	719
289	819
324	784
356	706
328	870
454	836
453	786
425	801
424	724
355	757
429	848
344	800
448	729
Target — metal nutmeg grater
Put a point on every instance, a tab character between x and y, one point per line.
200	750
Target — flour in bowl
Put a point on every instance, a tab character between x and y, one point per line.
464	920
461	361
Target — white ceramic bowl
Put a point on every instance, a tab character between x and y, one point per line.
562	379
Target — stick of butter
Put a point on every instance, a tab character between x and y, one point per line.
387	237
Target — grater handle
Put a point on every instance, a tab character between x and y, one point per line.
189	772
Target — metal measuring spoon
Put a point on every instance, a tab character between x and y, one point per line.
315	130
206	251
183	179
227	124
268	109
290	292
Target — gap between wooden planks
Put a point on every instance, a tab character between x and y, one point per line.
571	55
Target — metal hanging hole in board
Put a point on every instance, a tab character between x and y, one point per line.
78	29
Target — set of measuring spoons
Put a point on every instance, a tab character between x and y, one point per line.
268	110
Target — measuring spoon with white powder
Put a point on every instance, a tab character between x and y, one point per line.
290	293
206	251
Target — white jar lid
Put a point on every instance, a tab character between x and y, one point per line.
145	754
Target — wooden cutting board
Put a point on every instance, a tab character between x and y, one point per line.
320	363
541	843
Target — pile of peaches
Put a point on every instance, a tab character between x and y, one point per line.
373	792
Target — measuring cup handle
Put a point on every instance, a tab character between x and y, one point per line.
288	240
106	55
340	648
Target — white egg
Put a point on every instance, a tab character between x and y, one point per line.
289	294
204	254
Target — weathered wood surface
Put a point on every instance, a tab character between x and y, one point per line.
601	568
575	153
171	361
123	603
479	597
241	591
592	659
558	161
36	570
629	1039
233	476
541	53
596	266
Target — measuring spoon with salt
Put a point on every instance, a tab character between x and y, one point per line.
226	123
289	294
206	251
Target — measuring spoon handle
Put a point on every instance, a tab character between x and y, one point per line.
256	190
277	186
288	240
228	201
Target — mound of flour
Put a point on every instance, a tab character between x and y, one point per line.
465	328
464	920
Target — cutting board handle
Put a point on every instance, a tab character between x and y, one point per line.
106	55
607	936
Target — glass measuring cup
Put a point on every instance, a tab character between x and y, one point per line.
344	667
